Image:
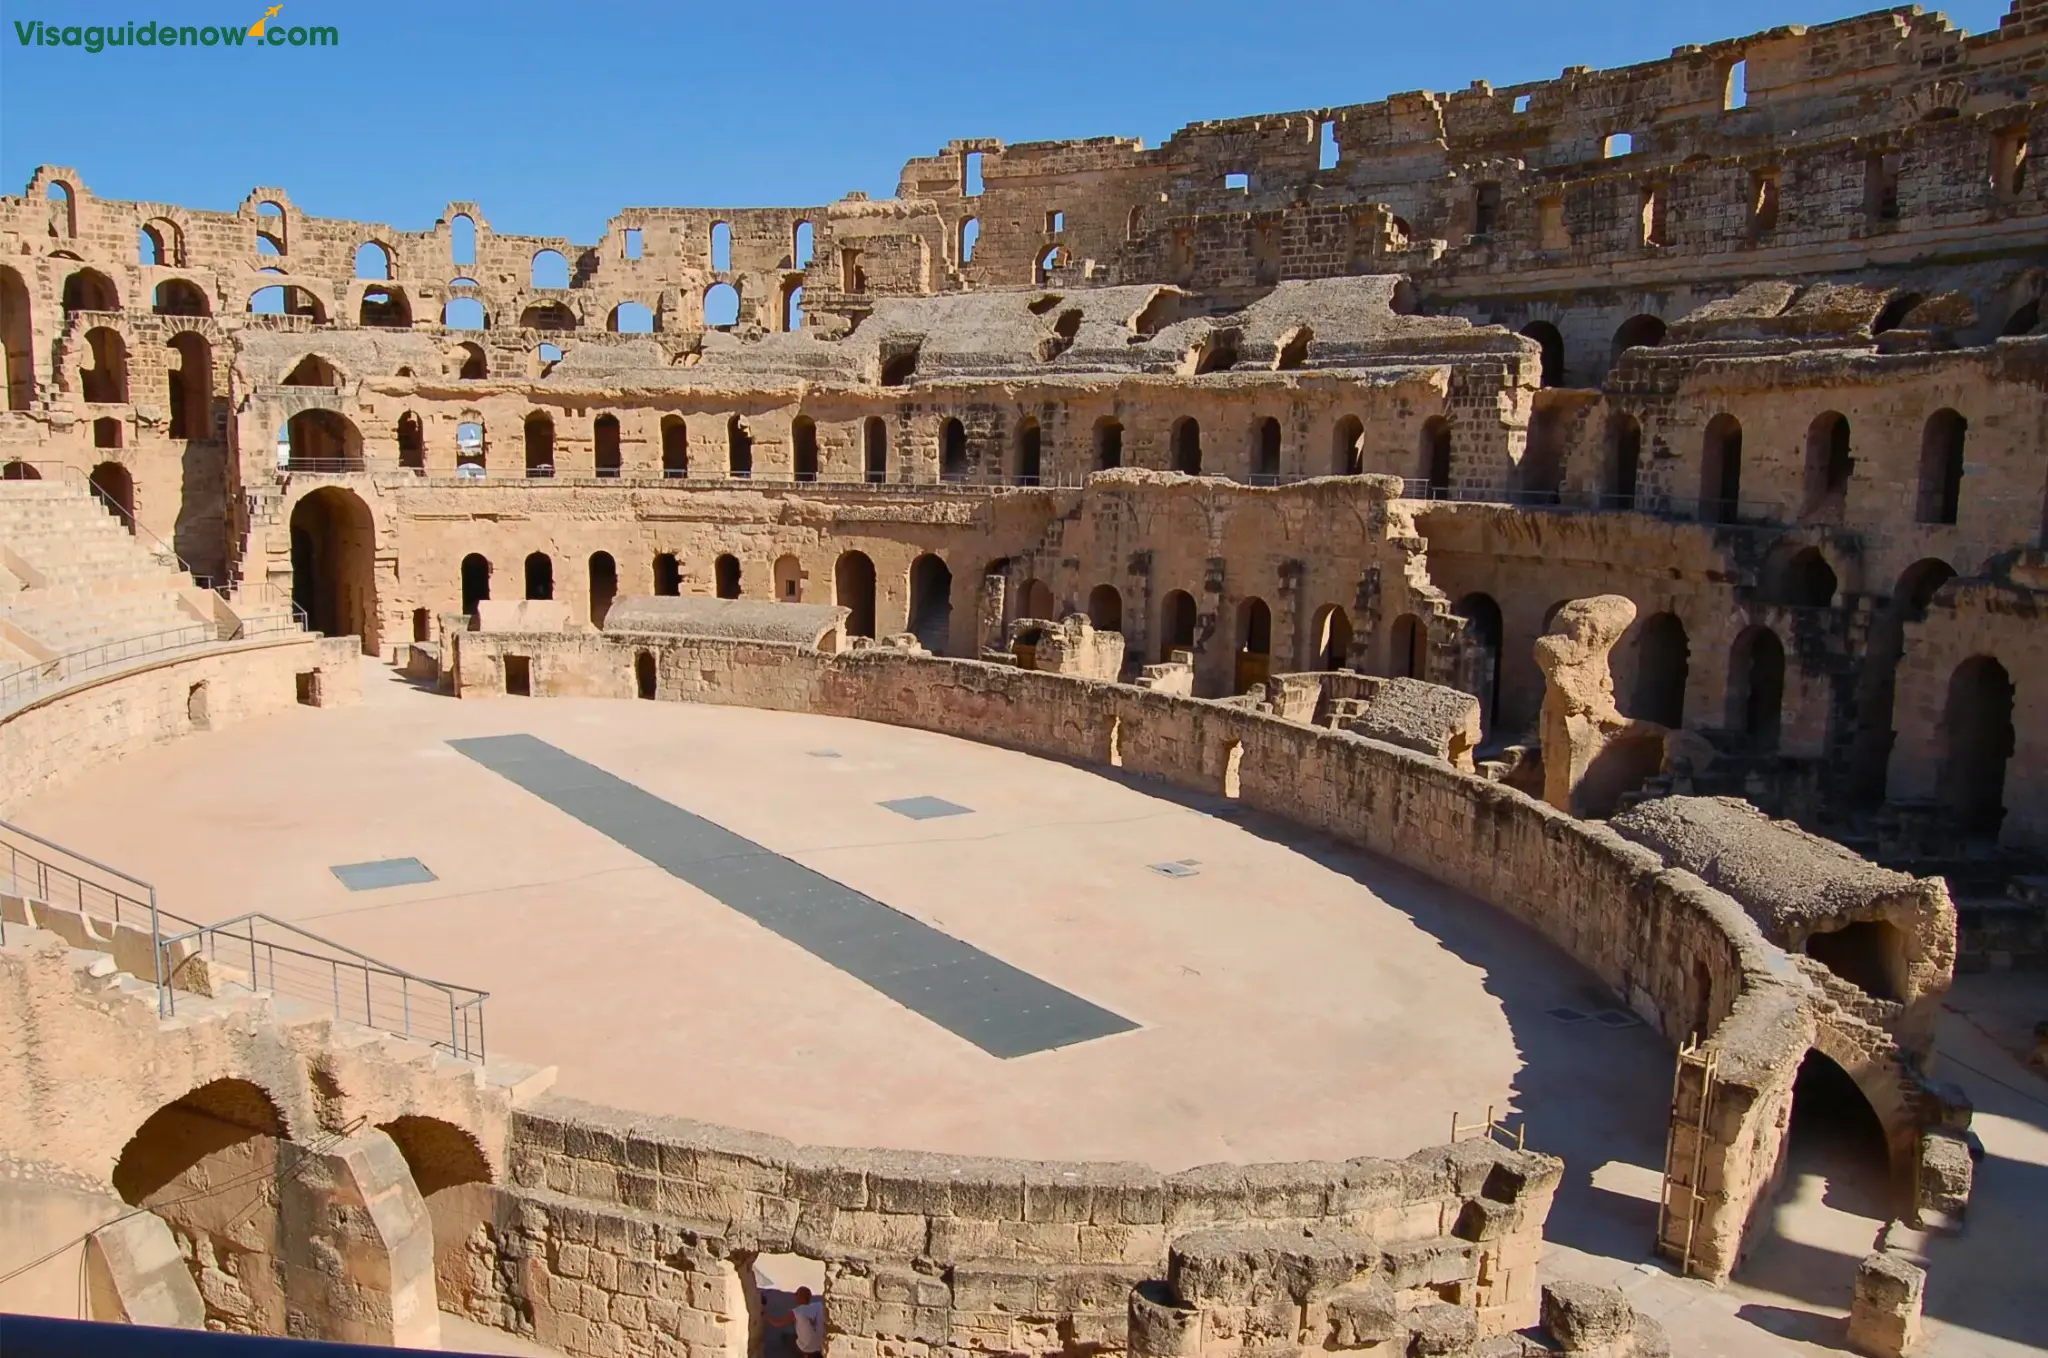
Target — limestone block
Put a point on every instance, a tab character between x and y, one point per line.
1942	1185
136	1275
358	1245
522	615
1884	1319
1585	1317
1159	1326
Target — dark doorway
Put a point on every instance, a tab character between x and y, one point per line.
931	602
643	674
1756	686
726	576
1663	664
540	576
604	586
334	546
1480	664
114	487
476	581
1176	624
1977	744
668	575
853	588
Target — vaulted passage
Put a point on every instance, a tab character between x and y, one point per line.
931	602
1977	744
853	587
334	545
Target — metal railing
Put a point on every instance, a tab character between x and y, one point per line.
44	870
289	961
28	682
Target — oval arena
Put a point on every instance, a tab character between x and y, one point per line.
1171	752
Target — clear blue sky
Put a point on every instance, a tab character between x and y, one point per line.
552	116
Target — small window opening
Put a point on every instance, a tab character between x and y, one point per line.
1654	232
970	174
633	246
1618	144
721	247
1521	103
1735	86
803	246
1237	182
1763	204
1327	152
970	235
1055	222
1485	209
643	674
1881	187
519	676
727	572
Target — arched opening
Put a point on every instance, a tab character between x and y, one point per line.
106	381
1187	446
792	307
1479	662
322	441
630	318
1347	447
550	269
422	625
1254	643
1266	452
1895	312
1176	624
1721	470
540	576
1109	444
476	581
1663	664
1637	332
721	247
549	316
644	674
2023	319
1805	580
114	487
462	239
1540	478
739	449
469	446
373	261
312	371
106	432
1436	457
157	244
970	236
1624	461
17	340
1828	465
334	548
540	444
803	448
721	306
1106	609
1835	1147
789	578
1977	741
454	1177
1026	469
604	586
1756	686
952	451
177	297
1917	586
725	572
1868	954
1035	601
17	470
1551	342
668	575
1330	634
606	454
931	602
874	439
384	306
853	588
1408	648
90	290
675	447
473	366
1941	467
190	386
803	244
412	442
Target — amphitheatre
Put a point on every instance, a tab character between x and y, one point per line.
1406	727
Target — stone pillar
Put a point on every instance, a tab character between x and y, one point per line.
357	1245
1580	721
988	622
135	1275
1884	1320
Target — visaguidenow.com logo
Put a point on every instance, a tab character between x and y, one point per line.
100	37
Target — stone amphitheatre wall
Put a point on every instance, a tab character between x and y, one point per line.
1685	957
55	738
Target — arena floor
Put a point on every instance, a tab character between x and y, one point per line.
1293	999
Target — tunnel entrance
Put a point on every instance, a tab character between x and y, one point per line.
334	544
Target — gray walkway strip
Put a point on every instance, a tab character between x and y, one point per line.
1003	1011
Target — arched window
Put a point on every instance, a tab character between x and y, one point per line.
604	586
540	576
725	573
1254	643
271	229
17	340
1187	446
802	246
476	581
1408	648
853	588
190	382
1551	342
1663	656
606	456
721	306
1048	260
1479	661
1106	609
644	677
90	290
792	308
550	269
469	446
473	367
1941	467
1637	332
1109	444
1331	637
384	306
1347	447
952	451
373	261
106	381
462	240
1828	465
1176	624
1540	478
803	448
931	602
412	443
63	209
739	449
1977	742
675	447
177	297
1895	312
1266	451
463	313
156	244
875	449
631	318
1756	686
1721	470
1624	461
1436	457
970	235
1804	580
721	248
668	575
1026	470
540	445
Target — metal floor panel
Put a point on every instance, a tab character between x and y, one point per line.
1000	1009
382	873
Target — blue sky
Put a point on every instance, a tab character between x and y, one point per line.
552	116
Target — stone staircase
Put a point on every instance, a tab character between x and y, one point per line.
72	576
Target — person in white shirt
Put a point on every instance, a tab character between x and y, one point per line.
808	1316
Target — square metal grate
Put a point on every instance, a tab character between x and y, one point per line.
1616	1018
382	873
1564	1013
926	808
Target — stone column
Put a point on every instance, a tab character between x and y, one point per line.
1884	1320
357	1245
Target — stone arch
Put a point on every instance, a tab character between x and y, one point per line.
1624	461
1756	685
606	446
1106	609
476	581
17	340
312	370
1663	667
1637	332
675	447
1254	643
105	380
384	306
853	588
1801	579
323	441
1186	445
540	444
189	386
454	1177
803	448
1435	455
739	449
180	297
931	602
604	586
646	679
192	1129
1109	443
1330	636
952	450
1540	477
1721	470
725	575
1480	662
334	547
789	578
1551	341
1035	600
1828	465
114	485
1177	617
90	290
874	438
1347	447
1408	648
668	575
1977	744
1266	451
1029	459
540	576
1941	467
17	470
